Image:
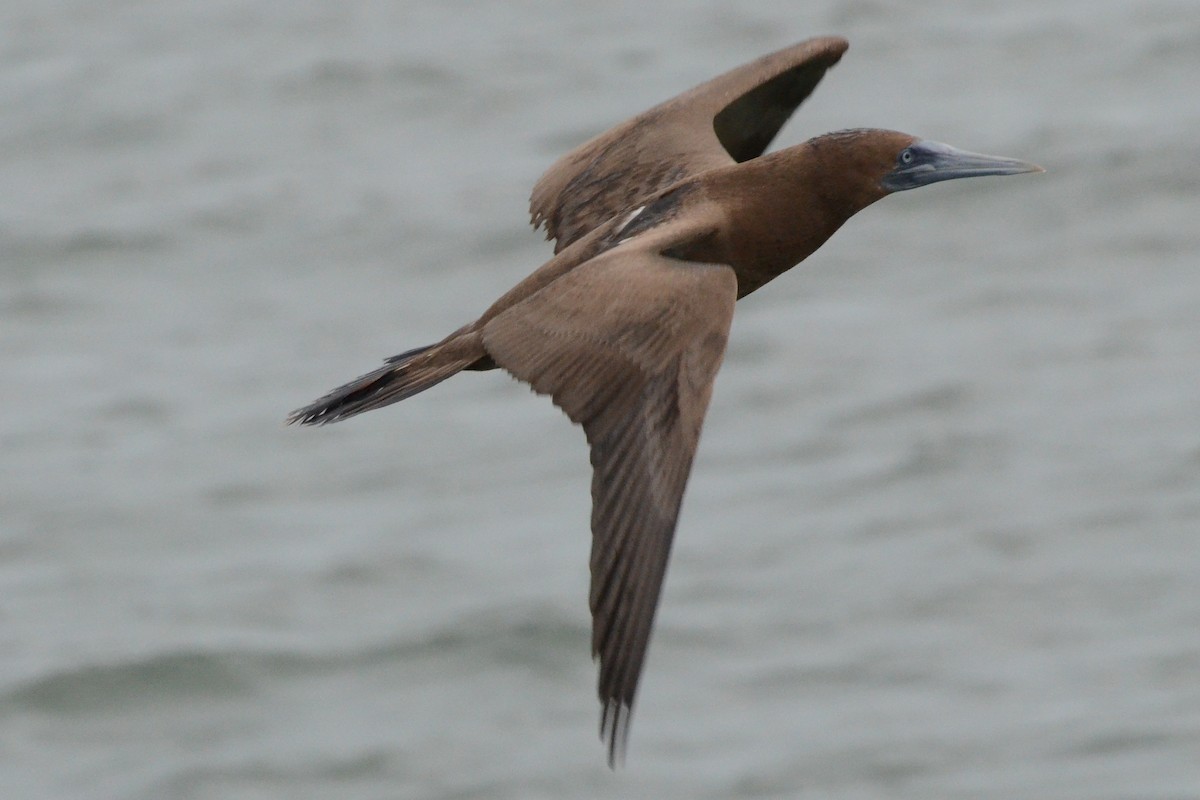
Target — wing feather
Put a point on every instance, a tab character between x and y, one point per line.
628	345
731	118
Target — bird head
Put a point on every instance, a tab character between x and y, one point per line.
859	166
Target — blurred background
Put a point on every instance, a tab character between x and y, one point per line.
941	537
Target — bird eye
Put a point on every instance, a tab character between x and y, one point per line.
906	156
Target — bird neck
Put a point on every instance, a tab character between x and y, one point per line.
816	186
788	204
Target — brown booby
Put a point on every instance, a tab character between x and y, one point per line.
660	224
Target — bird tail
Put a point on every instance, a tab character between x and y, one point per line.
399	378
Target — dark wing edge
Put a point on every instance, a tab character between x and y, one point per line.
628	346
732	117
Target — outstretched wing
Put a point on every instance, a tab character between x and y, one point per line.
628	346
731	118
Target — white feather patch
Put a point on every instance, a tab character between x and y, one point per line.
630	217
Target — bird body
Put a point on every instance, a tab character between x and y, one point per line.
660	225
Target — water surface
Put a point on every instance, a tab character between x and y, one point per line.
941	537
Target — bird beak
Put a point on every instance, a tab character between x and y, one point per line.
928	162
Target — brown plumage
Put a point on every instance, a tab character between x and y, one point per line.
660	225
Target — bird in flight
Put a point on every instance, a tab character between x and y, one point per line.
660	224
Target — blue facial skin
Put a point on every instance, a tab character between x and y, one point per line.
924	162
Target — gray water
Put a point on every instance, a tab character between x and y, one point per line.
941	537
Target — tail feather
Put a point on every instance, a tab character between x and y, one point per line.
407	355
400	377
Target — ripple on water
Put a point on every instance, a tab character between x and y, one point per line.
179	676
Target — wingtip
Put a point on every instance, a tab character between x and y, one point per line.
839	43
614	730
834	46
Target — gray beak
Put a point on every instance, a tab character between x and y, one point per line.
925	162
